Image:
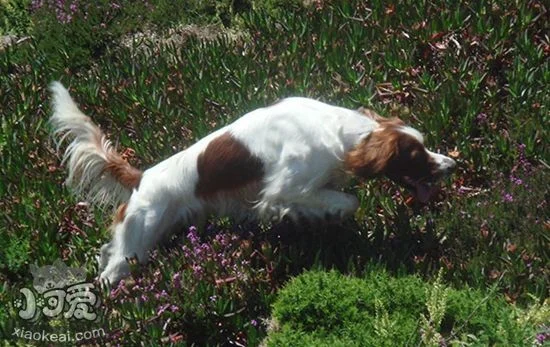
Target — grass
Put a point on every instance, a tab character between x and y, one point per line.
471	76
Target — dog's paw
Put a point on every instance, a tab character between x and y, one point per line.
114	272
103	257
343	210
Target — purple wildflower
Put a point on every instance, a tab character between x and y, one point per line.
36	4
186	252
507	197
162	294
254	323
114	293
222	240
463	190
481	118
197	251
162	309
192	236
197	270
73	7
157	276
523	162
516	180
542	337
176	280
225	262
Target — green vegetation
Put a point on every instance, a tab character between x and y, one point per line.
158	75
328	308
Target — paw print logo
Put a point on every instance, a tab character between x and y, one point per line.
18	303
40	302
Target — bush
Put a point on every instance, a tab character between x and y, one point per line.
14	17
327	308
73	34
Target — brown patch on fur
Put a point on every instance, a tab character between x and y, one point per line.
370	158
390	152
122	171
226	165
393	121
120	213
117	166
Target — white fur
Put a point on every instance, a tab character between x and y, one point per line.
444	163
412	132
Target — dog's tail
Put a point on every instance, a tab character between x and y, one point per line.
97	172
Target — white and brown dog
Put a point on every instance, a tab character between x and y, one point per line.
286	159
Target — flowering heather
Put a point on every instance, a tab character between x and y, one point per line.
507	197
541	338
64	10
481	118
210	277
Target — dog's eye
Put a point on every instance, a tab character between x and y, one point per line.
414	153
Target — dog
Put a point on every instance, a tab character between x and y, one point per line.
287	159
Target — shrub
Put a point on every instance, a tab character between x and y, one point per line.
14	17
327	308
71	33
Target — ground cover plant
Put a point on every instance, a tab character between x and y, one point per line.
472	76
327	308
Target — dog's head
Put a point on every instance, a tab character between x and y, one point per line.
397	151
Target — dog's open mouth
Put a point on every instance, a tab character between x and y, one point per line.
422	190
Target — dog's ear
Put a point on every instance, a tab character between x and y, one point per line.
371	114
370	158
379	119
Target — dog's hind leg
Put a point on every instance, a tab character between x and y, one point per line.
318	204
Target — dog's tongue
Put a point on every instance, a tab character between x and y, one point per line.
424	191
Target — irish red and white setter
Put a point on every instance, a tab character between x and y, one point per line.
287	159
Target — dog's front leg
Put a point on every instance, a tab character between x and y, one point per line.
141	229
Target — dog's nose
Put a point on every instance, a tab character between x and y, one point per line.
451	164
448	165
445	165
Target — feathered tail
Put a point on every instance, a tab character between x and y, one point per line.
97	172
